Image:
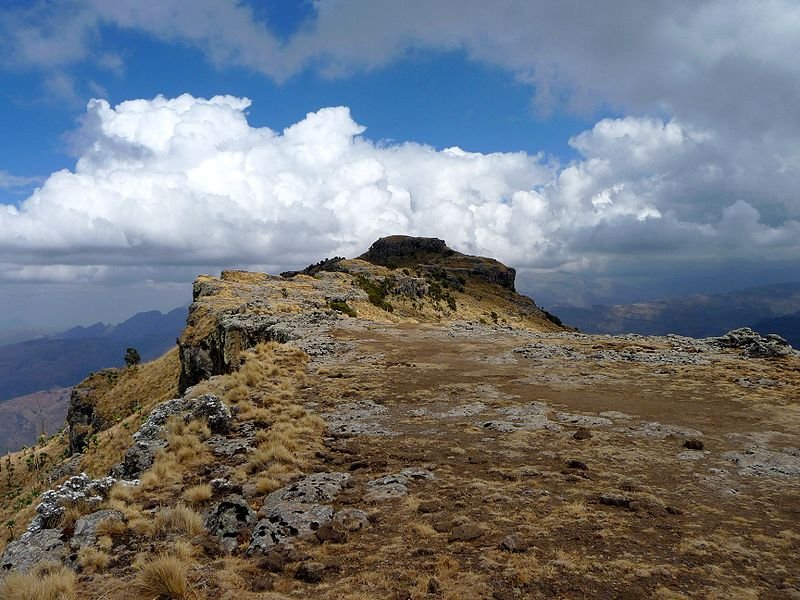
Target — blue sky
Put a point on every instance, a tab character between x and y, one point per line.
438	98
610	153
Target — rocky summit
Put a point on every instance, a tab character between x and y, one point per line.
406	425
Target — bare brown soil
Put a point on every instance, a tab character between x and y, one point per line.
622	514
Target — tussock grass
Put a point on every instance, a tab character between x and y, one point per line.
92	560
163	578
197	494
47	582
164	472
178	519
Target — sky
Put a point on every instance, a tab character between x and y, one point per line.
610	152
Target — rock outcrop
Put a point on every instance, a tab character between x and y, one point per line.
753	344
43	540
432	256
149	439
297	510
83	419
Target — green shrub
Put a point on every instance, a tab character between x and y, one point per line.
377	292
342	307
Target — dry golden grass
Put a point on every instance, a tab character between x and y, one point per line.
126	402
420	529
92	560
163	578
164	473
197	494
178	519
47	582
110	527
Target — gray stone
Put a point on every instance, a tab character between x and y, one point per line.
313	489
514	543
78	489
216	412
656	430
286	521
466	410
44	545
357	418
582	420
394	486
85	533
228	447
760	461
351	520
753	344
226	518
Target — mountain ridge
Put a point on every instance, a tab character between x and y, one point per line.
63	359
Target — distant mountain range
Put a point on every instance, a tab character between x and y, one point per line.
767	309
63	359
23	419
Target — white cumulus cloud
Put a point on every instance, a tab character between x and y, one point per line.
182	182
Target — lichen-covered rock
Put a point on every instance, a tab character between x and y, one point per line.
760	461
150	437
316	488
351	520
85	533
753	344
213	409
357	418
394	486
227	518
44	545
297	510
78	489
288	520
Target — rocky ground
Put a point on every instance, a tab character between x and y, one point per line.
459	445
562	465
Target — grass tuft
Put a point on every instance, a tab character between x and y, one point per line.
163	578
48	582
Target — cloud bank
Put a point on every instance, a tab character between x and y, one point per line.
168	184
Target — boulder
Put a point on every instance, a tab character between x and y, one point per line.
85	533
78	489
394	486
753	344
297	510
316	488
44	545
227	517
286	521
